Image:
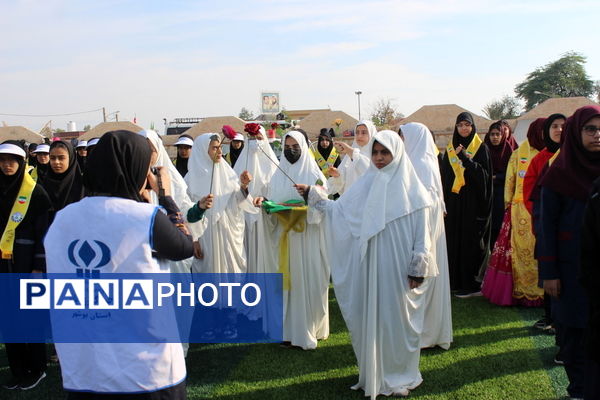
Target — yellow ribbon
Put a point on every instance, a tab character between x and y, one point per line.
34	174
457	167
324	165
524	155
17	214
551	160
293	219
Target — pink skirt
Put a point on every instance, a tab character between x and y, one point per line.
497	284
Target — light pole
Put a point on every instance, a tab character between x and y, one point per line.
358	93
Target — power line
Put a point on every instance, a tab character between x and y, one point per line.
51	115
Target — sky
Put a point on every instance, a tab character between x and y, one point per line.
166	59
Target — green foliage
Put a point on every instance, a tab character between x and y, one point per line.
506	108
246	114
565	77
384	113
87	127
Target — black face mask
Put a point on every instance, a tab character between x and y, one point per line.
292	155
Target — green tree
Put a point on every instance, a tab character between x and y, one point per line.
384	113
246	114
87	128
506	108
565	77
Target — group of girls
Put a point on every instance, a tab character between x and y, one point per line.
527	201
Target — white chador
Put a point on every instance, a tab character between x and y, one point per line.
437	323
306	312
258	158
221	230
354	166
111	367
381	238
178	191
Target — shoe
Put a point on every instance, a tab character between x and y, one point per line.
558	360
12	383
401	393
465	294
32	381
543	324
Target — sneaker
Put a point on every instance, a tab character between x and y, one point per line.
558	360
12	383
465	294
543	324
32	381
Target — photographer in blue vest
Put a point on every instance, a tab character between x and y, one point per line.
136	233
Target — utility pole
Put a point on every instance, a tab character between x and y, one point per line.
358	93
117	116
104	113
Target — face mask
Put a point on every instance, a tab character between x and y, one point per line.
292	155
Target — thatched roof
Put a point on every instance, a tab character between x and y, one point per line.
563	105
313	123
214	124
104	127
19	133
442	117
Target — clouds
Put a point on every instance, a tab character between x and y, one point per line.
175	59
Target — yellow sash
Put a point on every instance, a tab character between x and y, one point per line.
525	154
289	219
324	165
34	174
17	213
459	170
551	160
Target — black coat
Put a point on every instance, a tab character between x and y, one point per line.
559	249
28	250
589	276
468	219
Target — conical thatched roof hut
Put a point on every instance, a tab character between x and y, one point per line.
316	120
19	133
104	127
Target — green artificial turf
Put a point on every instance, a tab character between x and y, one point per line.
495	355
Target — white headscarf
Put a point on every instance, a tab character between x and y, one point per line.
352	169
422	152
305	170
178	185
200	168
383	195
255	158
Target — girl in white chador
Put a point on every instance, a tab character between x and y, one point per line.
160	158
437	323
380	255
221	232
306	269
356	160
258	158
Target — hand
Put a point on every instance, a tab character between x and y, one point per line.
552	287
245	179
206	202
198	251
146	196
37	271
333	171
258	201
413	284
459	149
301	188
343	148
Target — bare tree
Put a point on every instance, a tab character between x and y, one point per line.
384	113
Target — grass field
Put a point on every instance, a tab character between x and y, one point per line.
495	355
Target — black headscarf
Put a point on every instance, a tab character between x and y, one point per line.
551	145
500	154
9	187
118	166
182	163
325	151
456	138
31	159
42	169
235	153
66	188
